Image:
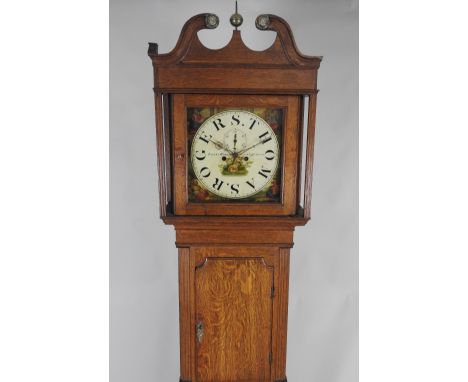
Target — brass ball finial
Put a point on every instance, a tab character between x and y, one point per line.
262	22
236	19
211	21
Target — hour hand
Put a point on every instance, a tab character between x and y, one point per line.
221	146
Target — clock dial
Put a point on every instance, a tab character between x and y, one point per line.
235	154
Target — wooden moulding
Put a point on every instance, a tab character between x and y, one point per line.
282	293
211	230
222	222
309	156
185	313
188	238
189	49
193	68
247	81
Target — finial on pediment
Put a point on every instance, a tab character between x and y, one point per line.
262	22
236	19
211	21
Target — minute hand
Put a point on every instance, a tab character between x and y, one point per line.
248	148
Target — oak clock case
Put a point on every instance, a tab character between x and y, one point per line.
231	125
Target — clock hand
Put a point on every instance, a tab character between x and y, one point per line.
248	148
221	146
235	141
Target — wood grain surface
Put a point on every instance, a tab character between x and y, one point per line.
185	313
179	79
234	305
189	51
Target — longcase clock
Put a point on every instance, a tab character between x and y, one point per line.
235	131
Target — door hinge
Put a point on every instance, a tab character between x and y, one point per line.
270	358
272	291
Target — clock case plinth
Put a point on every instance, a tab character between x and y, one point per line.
244	256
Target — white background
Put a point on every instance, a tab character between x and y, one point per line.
54	192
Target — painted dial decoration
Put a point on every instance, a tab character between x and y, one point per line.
235	154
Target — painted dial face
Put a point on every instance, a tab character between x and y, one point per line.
235	154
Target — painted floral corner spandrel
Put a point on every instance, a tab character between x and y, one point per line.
271	193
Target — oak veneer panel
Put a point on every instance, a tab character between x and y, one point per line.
167	151
236	51
309	155
281	295
161	154
185	313
225	237
225	222
233	301
180	78
230	100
